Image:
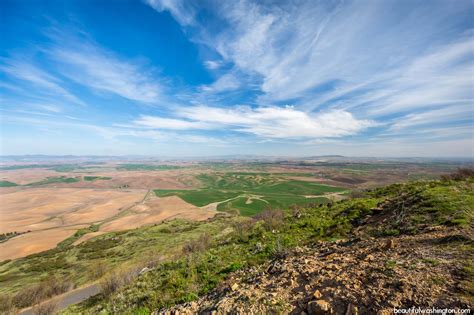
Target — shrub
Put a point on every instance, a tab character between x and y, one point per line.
272	218
97	270
242	229
460	174
47	288
6	304
199	245
47	308
114	281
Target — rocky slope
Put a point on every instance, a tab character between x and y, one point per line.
370	276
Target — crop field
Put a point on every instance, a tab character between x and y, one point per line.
145	167
5	183
64	220
250	193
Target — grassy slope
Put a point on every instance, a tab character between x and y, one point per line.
272	190
52	180
5	183
447	203
113	249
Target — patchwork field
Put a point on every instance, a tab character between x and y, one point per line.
43	204
249	193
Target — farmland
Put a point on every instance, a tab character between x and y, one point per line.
61	220
250	193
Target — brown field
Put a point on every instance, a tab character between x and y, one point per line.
35	242
151	211
44	208
53	212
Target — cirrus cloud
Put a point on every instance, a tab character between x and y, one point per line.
266	122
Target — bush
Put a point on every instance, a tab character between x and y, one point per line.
47	288
460	174
242	229
6	304
199	245
97	270
47	308
272	218
111	283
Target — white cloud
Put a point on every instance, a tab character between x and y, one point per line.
381	59
267	122
435	117
99	69
16	68
212	64
181	12
168	123
226	82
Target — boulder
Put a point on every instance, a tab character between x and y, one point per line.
319	307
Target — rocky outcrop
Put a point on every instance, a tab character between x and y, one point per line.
358	276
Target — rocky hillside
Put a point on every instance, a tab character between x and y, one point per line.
402	245
357	276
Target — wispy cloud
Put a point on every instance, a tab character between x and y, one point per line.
39	78
169	123
180	10
269	122
227	82
101	70
435	118
376	59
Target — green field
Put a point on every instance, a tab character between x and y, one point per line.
53	180
146	167
250	193
5	183
93	178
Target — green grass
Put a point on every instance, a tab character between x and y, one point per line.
199	197
268	190
54	180
113	249
146	167
5	183
93	178
240	204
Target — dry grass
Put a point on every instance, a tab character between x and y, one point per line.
199	245
47	308
114	281
272	219
47	288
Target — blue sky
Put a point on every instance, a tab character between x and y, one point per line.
201	78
